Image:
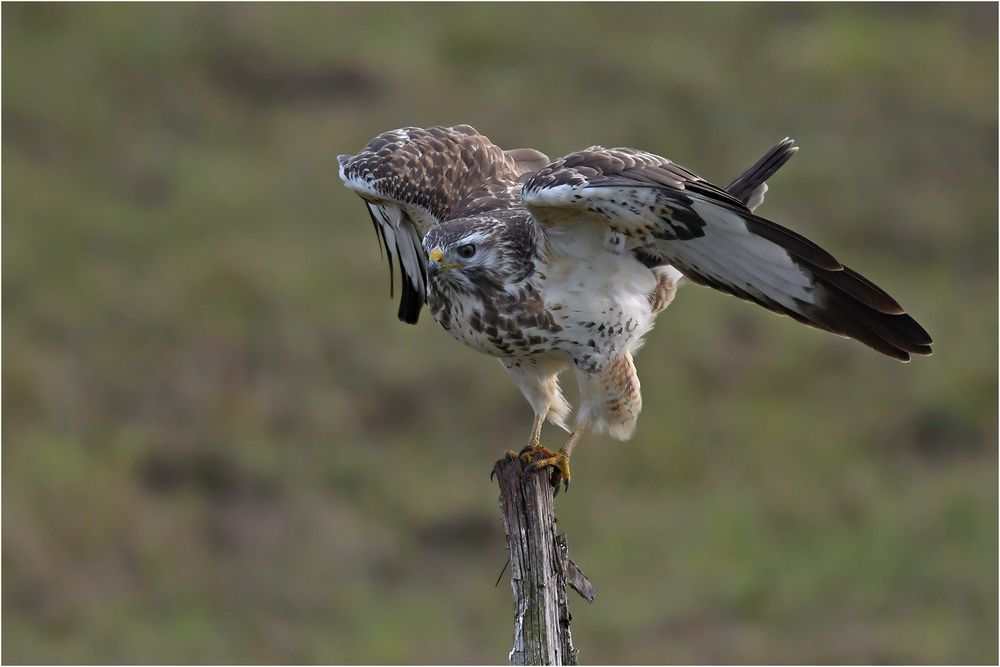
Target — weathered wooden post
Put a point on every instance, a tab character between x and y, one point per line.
540	567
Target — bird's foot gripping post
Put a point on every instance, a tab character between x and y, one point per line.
540	567
537	457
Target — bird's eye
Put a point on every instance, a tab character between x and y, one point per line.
466	251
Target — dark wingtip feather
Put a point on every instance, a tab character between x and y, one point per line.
410	304
412	299
388	252
895	335
378	232
866	291
743	186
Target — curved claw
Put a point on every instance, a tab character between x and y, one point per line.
559	463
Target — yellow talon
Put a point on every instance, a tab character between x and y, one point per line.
559	462
529	452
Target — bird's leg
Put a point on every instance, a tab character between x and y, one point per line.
559	461
534	446
536	431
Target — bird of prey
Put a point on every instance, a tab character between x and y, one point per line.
557	265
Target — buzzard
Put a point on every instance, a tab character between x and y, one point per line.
556	265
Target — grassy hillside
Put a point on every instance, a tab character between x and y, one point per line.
220	446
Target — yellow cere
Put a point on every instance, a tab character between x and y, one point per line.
436	255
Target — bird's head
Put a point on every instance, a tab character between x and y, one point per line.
477	252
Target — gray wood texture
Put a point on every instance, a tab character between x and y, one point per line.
540	568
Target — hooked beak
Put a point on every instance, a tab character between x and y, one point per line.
434	265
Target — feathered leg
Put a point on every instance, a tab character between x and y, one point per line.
539	383
610	400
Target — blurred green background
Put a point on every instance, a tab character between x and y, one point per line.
219	445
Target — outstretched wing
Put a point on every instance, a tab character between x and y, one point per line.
412	178
648	202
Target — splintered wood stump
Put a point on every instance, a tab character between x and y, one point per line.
540	568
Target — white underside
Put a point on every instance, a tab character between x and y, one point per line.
593	283
585	282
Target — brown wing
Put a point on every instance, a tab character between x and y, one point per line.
412	178
714	239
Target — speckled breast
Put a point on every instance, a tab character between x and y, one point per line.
498	323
